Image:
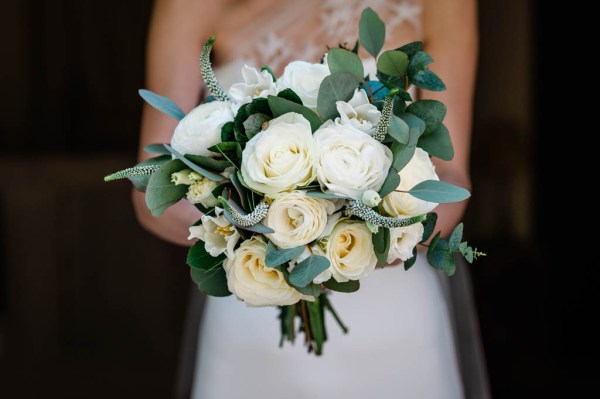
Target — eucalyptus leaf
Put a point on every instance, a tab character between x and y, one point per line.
162	104
381	244
428	80
469	255
335	87
141	182
228	129
432	112
411	48
161	193
348	286
371	31
211	164
463	247
439	191
241	190
391	182
419	62
456	237
305	271
399	130
402	154
429	226
226	146
157	148
280	106
413	122
213	283
276	256
259	105
320	194
310	289
289	94
206	173
199	258
438	143
342	60
440	257
411	261
393	63
254	123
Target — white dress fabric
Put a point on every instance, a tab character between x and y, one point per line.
400	342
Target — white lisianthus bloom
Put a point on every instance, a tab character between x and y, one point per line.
201	128
349	248
254	282
350	162
419	169
256	84
219	236
297	219
371	198
281	157
358	112
182	177
200	192
403	240
304	79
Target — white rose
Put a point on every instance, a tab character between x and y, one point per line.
349	248
254	282
281	157
349	161
304	79
201	128
218	234
403	240
256	84
200	192
297	219
358	112
417	170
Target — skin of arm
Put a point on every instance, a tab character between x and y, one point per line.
450	37
174	44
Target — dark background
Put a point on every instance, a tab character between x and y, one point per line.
93	306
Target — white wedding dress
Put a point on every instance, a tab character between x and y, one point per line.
400	342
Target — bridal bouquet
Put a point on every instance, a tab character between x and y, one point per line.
309	181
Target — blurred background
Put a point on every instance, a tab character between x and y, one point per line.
92	305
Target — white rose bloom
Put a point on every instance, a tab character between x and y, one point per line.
297	219
420	168
281	157
358	112
201	128
350	162
218	234
200	192
349	248
403	240
256	84
304	79
254	282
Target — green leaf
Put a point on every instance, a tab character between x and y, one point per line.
319	194
429	226
413	122
419	62
213	283
226	146
317	325
199	259
399	130
402	154
310	289
463	247
393	63
280	106
391	182
456	237
335	87
438	143
228	129
289	94
161	193
212	164
276	256
193	166
308	269
254	123
342	60
439	191
432	112
141	182
259	105
439	255
469	255
371	31
241	190
157	148
428	80
348	286
411	261
162	104
381	244
411	48
266	68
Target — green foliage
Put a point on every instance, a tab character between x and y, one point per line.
289	94
342	60
410	262
440	256
193	166
411	49
381	244
141	182
317	324
157	148
280	106
266	68
439	191
403	153
348	286
254	123
163	104
429	226
198	258
432	112
212	283
421	76
305	271
438	143
399	130
456	237
276	257
371	31
161	193
393	63
335	87
228	129
320	194
208	163
391	182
